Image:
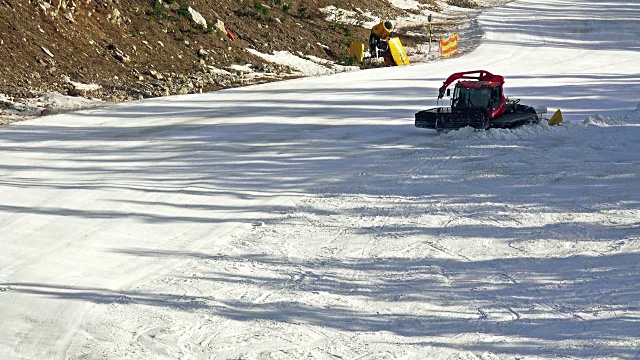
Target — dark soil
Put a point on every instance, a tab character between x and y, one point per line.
136	49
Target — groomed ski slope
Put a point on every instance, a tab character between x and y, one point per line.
310	219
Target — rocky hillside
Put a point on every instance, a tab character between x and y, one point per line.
132	49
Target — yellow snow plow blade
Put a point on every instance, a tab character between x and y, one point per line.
397	52
556	119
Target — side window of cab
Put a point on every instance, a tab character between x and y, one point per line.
496	97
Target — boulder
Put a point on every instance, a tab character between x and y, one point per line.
219	25
197	18
46	111
203	54
84	90
118	54
154	74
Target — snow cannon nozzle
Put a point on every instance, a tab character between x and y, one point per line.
383	29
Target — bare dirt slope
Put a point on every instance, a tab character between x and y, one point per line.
120	50
134	48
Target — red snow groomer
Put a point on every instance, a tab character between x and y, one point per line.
478	101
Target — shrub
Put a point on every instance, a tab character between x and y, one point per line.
347	60
157	10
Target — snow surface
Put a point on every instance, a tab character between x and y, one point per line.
311	219
309	66
52	100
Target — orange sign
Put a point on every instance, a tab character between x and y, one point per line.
449	46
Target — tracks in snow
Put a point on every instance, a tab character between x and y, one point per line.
450	253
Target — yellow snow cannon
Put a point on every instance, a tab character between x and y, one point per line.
383	29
